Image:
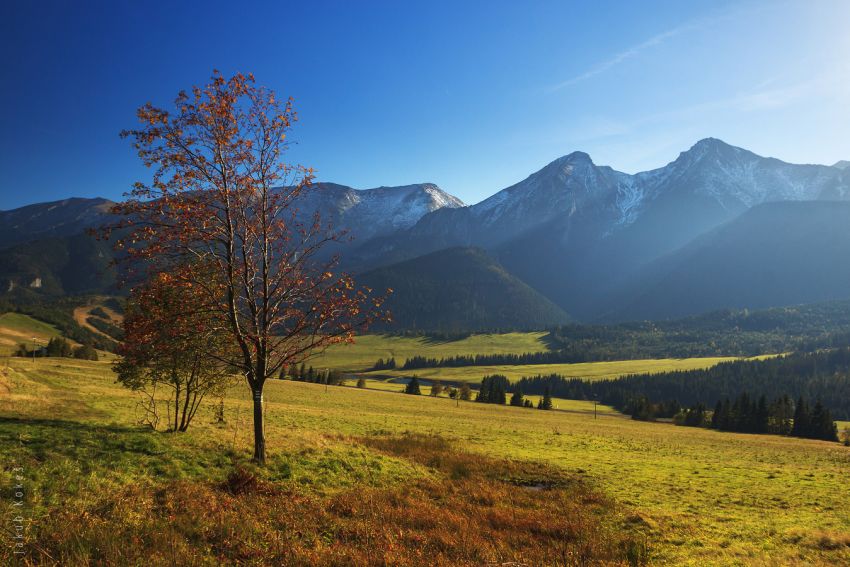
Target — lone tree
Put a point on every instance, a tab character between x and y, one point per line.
223	198
412	387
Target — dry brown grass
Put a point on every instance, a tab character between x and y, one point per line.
473	510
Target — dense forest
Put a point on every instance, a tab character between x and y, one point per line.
823	376
726	332
745	414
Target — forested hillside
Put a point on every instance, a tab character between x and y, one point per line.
460	289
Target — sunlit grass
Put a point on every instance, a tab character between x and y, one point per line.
16	328
586	370
367	349
706	497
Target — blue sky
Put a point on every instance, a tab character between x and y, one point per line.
473	96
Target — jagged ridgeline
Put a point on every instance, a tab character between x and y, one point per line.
718	227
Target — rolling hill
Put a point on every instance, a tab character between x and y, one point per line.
460	289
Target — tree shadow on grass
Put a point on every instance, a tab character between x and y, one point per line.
101	447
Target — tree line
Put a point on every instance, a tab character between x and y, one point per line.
547	357
494	390
745	414
309	374
823	375
725	332
58	347
382	364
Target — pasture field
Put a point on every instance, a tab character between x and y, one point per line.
367	349
97	483
586	370
16	328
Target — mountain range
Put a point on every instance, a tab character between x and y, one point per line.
719	226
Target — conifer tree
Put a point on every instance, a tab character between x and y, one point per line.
801	426
412	387
762	416
517	399
715	417
822	426
546	400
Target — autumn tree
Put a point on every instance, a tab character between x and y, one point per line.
222	196
167	337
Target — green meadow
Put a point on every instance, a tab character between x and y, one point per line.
16	328
586	370
367	349
697	497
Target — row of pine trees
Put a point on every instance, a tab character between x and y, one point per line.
309	374
746	414
494	390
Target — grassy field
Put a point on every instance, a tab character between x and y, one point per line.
367	349
587	370
16	328
700	497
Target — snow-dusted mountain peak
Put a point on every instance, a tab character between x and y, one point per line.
373	212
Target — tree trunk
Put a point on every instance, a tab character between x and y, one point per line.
259	428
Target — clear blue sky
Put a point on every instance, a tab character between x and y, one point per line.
472	96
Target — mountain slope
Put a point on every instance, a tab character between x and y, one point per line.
45	246
575	230
460	289
775	254
367	213
51	220
57	266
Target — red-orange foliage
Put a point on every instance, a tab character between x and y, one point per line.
223	201
167	341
